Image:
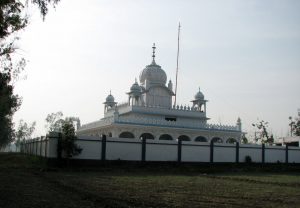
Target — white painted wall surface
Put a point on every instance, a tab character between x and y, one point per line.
52	148
158	150
251	151
90	149
43	144
224	152
196	153
161	151
273	154
294	155
38	150
117	150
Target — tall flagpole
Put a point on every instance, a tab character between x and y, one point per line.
177	64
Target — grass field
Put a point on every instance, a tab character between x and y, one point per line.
26	182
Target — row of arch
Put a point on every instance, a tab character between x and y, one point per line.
181	137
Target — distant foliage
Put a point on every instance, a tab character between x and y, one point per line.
24	131
68	146
263	135
244	140
54	121
295	126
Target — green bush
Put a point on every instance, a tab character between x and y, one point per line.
248	159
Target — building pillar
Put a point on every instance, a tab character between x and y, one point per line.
179	150
286	153
237	152
211	151
143	149
103	148
263	153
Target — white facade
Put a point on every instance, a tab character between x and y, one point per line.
291	141
149	113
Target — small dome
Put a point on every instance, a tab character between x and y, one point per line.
154	74
135	87
110	99
199	95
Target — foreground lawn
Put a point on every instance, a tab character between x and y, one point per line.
26	182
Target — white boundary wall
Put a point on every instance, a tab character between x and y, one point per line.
161	151
198	152
254	151
123	149
131	150
224	152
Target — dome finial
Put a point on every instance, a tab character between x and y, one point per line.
153	53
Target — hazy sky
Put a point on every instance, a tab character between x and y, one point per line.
244	55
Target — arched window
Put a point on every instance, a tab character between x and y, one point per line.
217	140
147	136
231	141
165	137
126	134
184	138
200	139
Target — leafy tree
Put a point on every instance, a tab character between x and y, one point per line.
13	18
9	104
54	121
68	146
264	137
244	140
295	126
24	131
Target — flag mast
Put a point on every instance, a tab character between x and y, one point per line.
177	64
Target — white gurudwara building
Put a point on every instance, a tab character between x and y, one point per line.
150	114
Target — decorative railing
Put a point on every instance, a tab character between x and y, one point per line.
177	107
96	124
183	124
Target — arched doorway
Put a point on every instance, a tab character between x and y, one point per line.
165	137
126	134
217	140
147	136
231	141
184	138
200	139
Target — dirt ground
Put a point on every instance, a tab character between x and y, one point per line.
28	182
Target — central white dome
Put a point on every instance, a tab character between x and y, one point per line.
154	74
